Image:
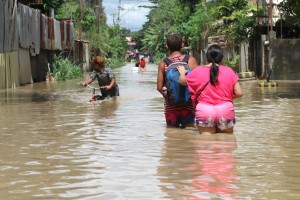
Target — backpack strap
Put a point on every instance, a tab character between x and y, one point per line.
168	61
199	93
186	58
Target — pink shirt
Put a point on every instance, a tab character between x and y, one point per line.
213	95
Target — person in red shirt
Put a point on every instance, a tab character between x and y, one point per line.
143	64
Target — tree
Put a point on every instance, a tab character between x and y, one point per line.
166	17
55	4
291	17
197	19
104	40
83	17
195	26
291	10
233	18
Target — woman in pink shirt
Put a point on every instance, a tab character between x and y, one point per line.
213	88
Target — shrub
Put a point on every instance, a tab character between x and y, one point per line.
63	69
234	63
115	62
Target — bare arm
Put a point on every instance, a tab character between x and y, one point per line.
182	71
193	62
89	81
160	77
237	90
112	83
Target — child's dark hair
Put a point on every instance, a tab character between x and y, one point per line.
174	42
214	55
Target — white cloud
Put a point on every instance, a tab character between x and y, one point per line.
132	16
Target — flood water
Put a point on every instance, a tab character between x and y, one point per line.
55	144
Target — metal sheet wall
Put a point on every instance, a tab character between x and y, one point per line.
25	31
9	71
29	28
44	32
25	76
56	35
9	27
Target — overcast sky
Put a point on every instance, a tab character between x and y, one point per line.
131	15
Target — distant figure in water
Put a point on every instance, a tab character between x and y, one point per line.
143	64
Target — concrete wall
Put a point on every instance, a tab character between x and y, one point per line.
244	62
285	59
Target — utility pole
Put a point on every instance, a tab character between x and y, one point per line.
97	11
82	10
114	15
268	49
271	15
119	13
119	10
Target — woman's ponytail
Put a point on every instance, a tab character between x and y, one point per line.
214	55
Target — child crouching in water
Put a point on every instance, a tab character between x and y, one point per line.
106	78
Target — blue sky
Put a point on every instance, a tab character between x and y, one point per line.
131	15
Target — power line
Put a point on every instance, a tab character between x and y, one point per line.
120	9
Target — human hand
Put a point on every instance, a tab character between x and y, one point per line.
83	84
181	69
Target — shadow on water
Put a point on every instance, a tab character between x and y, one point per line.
9	97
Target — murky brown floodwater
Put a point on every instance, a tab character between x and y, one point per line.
54	144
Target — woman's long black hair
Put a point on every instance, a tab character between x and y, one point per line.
214	55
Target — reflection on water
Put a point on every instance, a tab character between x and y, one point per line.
55	144
217	165
203	167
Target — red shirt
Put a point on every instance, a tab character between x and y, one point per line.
142	63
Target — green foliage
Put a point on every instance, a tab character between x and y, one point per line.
192	19
88	22
116	47
99	41
116	62
106	41
154	41
234	63
116	43
63	69
195	26
83	17
158	57
232	18
56	4
291	11
168	16
67	11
